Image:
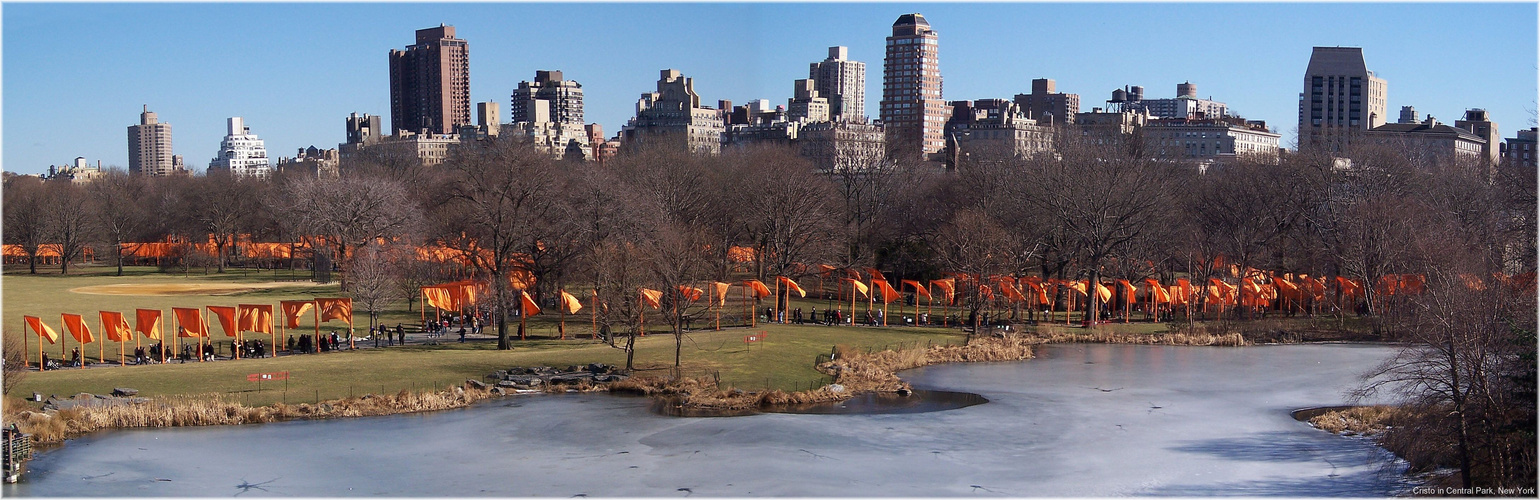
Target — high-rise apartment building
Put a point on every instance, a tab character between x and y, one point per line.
1046	106
430	83
673	115
1519	150
913	113
241	154
806	103
548	98
1341	98
843	83
149	147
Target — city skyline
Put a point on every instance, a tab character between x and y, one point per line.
70	96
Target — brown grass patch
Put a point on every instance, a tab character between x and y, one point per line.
1364	420
1095	337
213	409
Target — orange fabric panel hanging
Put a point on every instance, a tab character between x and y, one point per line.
1103	292
888	293
226	317
1078	286
690	292
986	293
654	298
439	297
948	288
147	323
860	287
335	308
571	302
77	328
875	274
825	269
759	289
116	326
43	331
721	289
1128	291
190	321
527	305
792	285
853	274
293	309
256	318
919	289
1008	288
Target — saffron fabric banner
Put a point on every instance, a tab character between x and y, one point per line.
116	326
792	285
190	322
226	316
43	331
340	308
293	309
527	305
760	290
721	289
919	289
77	328
690	292
572	303
654	298
888	293
147	323
256	318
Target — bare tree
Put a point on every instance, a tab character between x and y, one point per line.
976	245
68	225
354	210
24	216
373	282
118	210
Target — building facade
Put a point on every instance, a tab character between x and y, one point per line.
430	83
1341	98
1478	122
843	83
1210	138
993	126
1432	139
149	147
1519	150
807	104
1046	106
673	115
241	154
79	171
548	98
311	162
913	112
1186	104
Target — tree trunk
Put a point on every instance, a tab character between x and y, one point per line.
1092	293
502	330
630	351
118	247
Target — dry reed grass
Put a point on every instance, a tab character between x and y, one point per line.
213	409
1363	420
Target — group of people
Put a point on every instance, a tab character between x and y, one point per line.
308	344
469	323
391	337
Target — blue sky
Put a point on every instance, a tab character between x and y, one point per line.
76	75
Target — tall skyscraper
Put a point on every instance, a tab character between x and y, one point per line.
430	83
843	83
1341	97
240	153
549	98
913	112
1048	106
149	146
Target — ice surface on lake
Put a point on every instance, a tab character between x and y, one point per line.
1081	420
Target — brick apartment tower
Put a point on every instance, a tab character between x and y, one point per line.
1341	98
430	83
913	111
149	146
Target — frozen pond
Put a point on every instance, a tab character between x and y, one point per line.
1081	420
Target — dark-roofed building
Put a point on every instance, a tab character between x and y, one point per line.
1431	137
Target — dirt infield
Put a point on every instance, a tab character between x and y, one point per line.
161	289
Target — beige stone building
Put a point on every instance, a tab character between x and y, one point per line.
993	126
673	115
1341	98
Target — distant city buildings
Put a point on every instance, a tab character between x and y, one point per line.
673	116
149	147
1341	98
430	83
241	154
1479	122
78	171
994	127
548	99
1519	150
1216	138
1430	138
1186	104
843	83
311	162
913	112
1046	106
